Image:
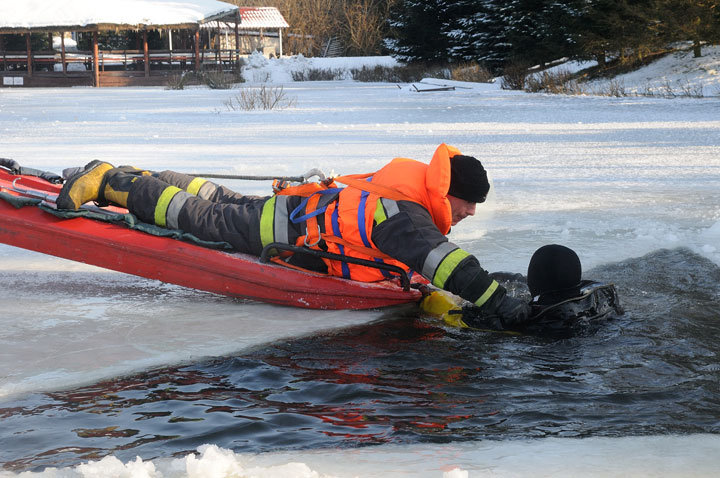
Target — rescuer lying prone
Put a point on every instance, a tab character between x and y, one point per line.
399	215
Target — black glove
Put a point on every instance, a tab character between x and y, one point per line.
513	313
10	164
500	312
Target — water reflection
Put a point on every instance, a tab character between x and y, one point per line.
410	380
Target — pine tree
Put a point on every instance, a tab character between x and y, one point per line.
697	21
540	31
477	31
417	31
618	27
496	32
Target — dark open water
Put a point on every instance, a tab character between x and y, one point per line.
653	370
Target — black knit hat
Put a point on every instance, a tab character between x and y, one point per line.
468	179
554	269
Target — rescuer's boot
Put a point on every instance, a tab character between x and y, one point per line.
83	186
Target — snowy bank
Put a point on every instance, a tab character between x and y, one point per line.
259	69
695	456
678	72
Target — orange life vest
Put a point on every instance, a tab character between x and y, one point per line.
350	219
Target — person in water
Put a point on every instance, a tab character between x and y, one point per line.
399	215
562	301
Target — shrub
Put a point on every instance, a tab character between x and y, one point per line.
617	89
666	90
374	74
473	72
692	91
319	74
265	98
559	82
177	81
514	77
398	74
218	80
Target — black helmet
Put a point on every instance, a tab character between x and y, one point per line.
554	273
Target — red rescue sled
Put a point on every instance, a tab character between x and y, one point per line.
116	247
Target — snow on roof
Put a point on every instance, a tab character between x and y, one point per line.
253	18
26	14
261	17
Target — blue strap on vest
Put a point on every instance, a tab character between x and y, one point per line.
301	207
296	218
336	231
361	227
335	224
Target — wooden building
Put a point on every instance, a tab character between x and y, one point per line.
260	30
128	42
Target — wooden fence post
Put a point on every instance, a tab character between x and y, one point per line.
96	60
146	53
218	54
238	19
197	50
29	55
62	52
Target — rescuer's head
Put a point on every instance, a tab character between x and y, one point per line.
468	179
555	270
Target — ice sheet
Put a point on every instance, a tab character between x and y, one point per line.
612	178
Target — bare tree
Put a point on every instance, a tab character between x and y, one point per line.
311	22
359	24
365	25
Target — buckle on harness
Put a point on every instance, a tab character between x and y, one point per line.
279	184
305	241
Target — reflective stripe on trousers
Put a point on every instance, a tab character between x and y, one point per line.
274	221
168	207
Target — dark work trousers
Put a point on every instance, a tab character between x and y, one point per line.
215	214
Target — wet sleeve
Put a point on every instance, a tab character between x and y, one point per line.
405	231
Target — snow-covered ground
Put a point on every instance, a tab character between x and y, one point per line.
661	456
679	73
612	178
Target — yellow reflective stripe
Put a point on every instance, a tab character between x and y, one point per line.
435	258
267	232
380	215
163	203
486	295
195	186
447	266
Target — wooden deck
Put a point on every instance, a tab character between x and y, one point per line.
107	79
19	79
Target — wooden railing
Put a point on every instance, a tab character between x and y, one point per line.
119	59
15	60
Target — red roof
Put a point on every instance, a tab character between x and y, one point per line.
261	17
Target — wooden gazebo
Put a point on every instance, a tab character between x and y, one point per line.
38	21
260	30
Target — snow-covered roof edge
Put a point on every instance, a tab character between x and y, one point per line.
84	15
253	18
262	17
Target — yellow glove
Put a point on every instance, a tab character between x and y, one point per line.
444	306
